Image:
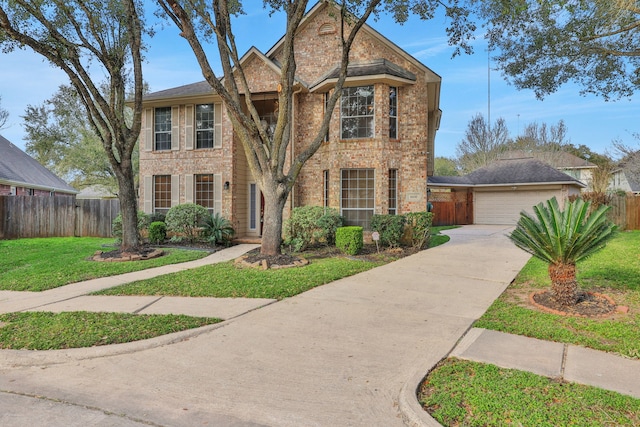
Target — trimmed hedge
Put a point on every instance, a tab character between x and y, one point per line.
350	240
157	232
311	224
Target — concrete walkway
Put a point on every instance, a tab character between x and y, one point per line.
350	353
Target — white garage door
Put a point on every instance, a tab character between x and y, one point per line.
503	207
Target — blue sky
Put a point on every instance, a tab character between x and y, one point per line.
26	79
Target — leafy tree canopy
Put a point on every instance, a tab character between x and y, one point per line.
544	44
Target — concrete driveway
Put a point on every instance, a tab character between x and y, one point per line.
345	354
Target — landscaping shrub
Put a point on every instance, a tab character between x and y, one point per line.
350	239
157	232
418	228
186	218
311	224
116	225
217	229
390	228
329	223
157	216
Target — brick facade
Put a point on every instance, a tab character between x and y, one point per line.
317	53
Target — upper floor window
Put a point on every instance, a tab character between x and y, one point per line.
393	112
162	128
357	112
204	126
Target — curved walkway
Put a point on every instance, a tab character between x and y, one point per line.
350	353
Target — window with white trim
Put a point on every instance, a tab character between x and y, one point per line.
161	193
357	198
393	191
205	126
357	112
393	112
205	193
162	128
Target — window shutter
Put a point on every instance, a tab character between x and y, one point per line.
175	190
217	194
175	128
148	129
188	127
217	125
148	194
188	188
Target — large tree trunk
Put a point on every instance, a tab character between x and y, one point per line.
564	286
274	201
128	207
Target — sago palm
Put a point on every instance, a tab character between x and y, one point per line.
561	239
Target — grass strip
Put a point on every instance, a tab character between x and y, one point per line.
464	393
225	280
49	331
614	271
45	263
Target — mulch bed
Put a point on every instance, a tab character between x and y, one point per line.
590	304
144	253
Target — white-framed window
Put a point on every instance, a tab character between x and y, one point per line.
326	107
205	126
205	191
393	191
393	112
162	128
161	193
325	188
357	196
357	112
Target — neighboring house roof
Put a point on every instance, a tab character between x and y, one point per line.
508	172
558	159
19	169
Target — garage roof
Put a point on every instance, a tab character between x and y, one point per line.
508	172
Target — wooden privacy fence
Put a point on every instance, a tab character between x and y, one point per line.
452	208
33	216
625	212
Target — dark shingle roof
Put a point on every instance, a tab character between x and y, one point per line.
193	89
17	167
507	172
558	159
372	68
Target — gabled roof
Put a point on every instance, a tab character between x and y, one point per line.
19	169
508	172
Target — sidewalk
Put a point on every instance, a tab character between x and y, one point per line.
74	297
352	352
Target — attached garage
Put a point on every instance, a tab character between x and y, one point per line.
504	207
504	189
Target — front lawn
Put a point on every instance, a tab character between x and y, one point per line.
614	271
46	263
464	393
47	331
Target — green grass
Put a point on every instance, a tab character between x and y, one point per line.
438	239
225	280
41	264
462	393
47	331
614	271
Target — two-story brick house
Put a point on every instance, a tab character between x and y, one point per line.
378	151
